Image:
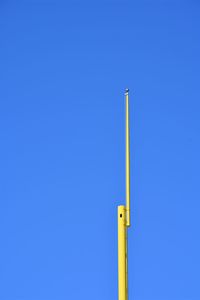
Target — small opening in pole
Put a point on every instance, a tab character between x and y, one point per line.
120	215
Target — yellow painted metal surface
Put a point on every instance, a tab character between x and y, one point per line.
122	253
124	220
127	162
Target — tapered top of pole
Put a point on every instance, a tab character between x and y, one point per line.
127	160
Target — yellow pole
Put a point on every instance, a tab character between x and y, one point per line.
124	221
127	161
122	276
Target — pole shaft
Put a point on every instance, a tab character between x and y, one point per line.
124	221
122	254
127	162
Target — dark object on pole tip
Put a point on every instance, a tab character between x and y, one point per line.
126	91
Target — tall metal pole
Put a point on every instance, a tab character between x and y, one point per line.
127	161
124	220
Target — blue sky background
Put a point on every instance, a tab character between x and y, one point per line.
64	66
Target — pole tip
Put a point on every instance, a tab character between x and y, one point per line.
126	91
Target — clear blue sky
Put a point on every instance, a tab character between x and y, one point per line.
64	66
